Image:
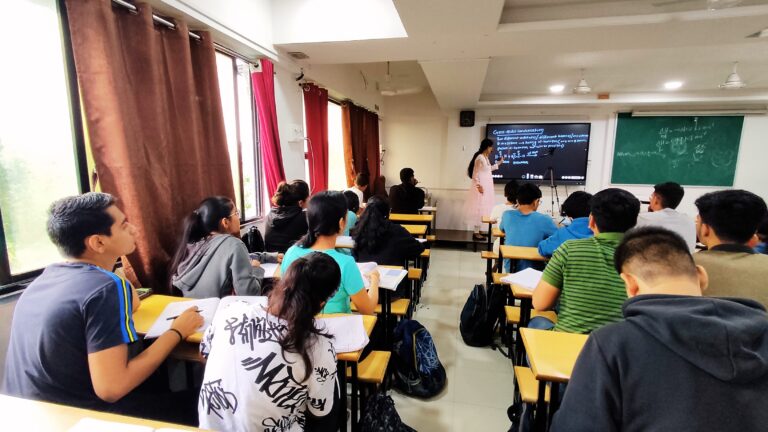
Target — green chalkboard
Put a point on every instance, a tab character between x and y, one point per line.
687	150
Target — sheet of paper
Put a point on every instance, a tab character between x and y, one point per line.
421	240
345	242
527	278
269	269
348	332
88	424
254	300
390	278
365	268
207	308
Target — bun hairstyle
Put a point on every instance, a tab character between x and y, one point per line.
308	282
199	224
289	194
324	212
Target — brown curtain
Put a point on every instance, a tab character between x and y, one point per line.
151	101
360	129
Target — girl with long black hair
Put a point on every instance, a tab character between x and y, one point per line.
211	260
377	239
326	218
269	366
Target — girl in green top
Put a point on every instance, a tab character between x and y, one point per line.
326	219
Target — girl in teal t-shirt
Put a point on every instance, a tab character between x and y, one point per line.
326	219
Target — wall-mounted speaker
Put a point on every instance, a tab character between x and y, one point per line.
467	118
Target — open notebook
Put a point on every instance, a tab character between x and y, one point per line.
527	278
348	331
389	278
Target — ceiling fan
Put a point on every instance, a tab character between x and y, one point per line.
388	89
710	4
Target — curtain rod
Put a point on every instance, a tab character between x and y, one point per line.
158	19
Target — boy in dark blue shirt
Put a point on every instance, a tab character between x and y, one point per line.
525	226
72	326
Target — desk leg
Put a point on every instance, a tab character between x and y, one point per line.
490	238
341	374
355	396
540	420
525	318
385	314
554	401
488	270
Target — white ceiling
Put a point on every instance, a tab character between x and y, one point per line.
495	50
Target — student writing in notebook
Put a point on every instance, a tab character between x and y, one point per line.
270	368
72	327
326	217
211	260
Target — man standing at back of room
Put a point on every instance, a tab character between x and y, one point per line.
73	325
359	188
581	273
678	361
661	212
406	197
726	223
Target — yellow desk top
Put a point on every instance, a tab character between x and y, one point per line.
496	232
400	217
552	354
521	252
519	292
29	415
488	219
416	229
153	306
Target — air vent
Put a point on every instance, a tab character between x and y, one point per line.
298	55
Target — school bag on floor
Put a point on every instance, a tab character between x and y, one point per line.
481	314
418	371
381	416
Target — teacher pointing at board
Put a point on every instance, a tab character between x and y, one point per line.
481	199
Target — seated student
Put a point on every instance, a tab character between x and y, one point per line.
761	245
379	240
727	221
72	326
286	223
210	261
326	217
581	274
576	207
525	226
510	193
353	206
287	377
359	188
661	212
406	197
679	361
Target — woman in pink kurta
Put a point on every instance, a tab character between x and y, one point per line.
481	198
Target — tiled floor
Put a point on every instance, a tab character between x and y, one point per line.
480	383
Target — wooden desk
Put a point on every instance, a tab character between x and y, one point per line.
490	221
416	230
28	415
552	356
433	211
520	253
418	218
151	308
497	232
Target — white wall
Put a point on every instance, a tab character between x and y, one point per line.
417	134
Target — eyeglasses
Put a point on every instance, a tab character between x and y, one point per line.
235	213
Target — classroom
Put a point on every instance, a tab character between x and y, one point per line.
364	215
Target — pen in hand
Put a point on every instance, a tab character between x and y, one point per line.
174	317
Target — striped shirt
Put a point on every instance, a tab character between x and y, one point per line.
591	292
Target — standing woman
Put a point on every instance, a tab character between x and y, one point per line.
480	199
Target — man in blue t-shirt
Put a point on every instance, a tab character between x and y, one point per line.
525	226
72	326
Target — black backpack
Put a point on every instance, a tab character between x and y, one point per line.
418	371
481	314
381	415
253	240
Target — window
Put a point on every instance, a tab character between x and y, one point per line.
240	125
38	157
337	175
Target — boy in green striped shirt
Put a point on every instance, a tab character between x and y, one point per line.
581	274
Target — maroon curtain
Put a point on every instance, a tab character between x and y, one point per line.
155	124
360	129
269	138
316	118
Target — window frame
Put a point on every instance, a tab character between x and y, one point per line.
8	281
